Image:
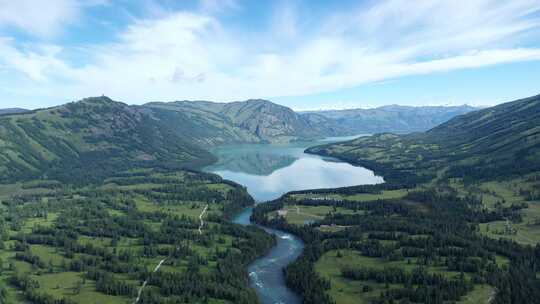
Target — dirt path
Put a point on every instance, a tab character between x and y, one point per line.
492	295
158	266
201	219
146	282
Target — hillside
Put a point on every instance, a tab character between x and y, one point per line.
393	118
497	141
261	121
90	139
458	216
13	111
99	242
250	121
97	206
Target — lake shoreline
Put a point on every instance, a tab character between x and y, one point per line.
270	172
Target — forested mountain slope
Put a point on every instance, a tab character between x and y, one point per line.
90	139
496	141
456	221
235	122
96	135
97	206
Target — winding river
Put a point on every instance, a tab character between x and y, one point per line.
269	171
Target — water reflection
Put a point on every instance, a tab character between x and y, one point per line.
253	162
268	171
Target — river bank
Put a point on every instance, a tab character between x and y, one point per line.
266	273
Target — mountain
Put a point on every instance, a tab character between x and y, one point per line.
251	121
95	136
89	139
393	118
13	111
469	187
261	121
95	193
492	142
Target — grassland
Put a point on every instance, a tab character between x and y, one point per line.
358	197
327	210
506	193
123	229
301	215
345	291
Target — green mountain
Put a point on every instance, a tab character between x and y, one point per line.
493	142
91	138
393	118
97	136
458	216
251	121
97	206
261	121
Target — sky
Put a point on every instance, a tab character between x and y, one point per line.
311	54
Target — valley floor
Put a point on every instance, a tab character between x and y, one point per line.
144	237
375	241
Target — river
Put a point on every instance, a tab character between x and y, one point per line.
269	171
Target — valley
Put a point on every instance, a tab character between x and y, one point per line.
99	243
268	172
456	219
269	152
108	203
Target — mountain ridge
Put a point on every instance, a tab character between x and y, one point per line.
259	120
254	120
496	141
391	118
96	135
10	111
90	138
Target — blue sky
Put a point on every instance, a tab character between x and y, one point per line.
304	54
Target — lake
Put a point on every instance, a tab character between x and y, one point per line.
269	171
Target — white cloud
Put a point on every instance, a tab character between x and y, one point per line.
41	18
193	55
35	63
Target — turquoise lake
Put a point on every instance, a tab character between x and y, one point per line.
269	171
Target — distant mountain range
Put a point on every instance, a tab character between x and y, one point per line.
13	111
489	143
264	121
393	118
96	136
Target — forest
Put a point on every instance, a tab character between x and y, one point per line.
425	247
135	235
